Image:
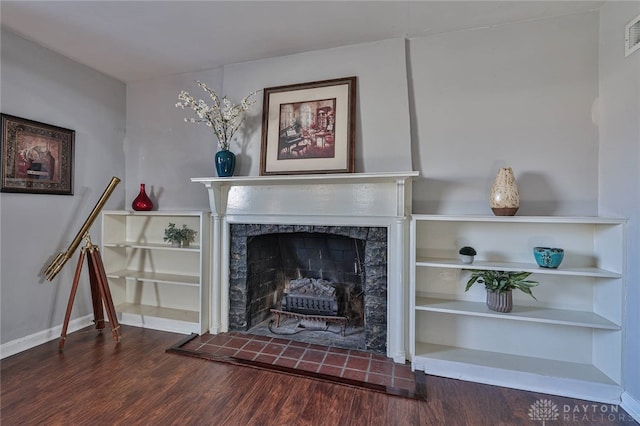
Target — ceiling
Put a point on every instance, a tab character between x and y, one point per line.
140	40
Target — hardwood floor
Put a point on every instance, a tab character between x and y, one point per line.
98	382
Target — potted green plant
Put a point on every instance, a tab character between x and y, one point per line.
173	235
499	285
466	254
188	236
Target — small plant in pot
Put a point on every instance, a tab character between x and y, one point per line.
188	236
466	254
499	285
173	235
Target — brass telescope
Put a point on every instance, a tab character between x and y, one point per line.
62	257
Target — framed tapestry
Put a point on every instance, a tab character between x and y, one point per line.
37	158
309	128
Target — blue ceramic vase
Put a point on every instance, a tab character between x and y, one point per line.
225	163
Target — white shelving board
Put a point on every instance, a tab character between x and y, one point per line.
519	313
520	372
587	271
187	280
167	319
156	246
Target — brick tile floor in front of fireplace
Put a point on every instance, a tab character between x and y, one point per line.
338	362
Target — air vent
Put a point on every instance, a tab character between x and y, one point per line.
632	36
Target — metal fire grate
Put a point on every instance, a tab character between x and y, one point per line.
321	318
313	308
310	305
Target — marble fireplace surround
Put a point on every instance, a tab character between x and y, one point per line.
354	199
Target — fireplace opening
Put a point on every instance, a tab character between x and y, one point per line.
325	285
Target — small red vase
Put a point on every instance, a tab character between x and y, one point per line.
142	203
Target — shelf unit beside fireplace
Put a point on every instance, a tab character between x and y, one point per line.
567	342
154	285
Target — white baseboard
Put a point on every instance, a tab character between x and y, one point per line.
22	344
631	406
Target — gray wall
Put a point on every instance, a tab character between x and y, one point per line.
383	141
163	151
619	183
517	95
468	103
43	86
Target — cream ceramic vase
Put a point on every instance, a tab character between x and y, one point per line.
505	198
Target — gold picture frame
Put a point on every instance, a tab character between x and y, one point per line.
37	158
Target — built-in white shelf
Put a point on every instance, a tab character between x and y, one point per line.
568	342
153	284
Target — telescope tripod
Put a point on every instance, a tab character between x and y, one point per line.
100	294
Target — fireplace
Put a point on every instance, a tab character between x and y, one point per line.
356	201
333	275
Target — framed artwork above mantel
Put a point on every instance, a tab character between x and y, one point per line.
309	128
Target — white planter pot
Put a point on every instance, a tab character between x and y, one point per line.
466	259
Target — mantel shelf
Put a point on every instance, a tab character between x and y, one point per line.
219	187
337	178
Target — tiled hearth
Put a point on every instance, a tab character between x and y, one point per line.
345	366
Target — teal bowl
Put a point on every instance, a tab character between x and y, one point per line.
548	257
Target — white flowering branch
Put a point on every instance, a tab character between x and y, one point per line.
222	116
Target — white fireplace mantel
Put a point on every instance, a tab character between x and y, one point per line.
219	187
352	199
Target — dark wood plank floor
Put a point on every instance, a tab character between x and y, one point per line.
97	382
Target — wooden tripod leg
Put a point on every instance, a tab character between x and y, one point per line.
105	293
96	298
72	296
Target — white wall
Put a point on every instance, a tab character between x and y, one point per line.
158	139
619	184
40	85
516	95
